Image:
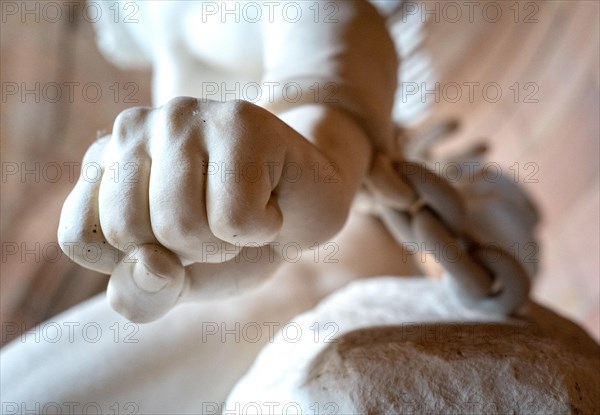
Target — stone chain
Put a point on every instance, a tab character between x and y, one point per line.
419	206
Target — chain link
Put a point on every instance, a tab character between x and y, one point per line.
419	206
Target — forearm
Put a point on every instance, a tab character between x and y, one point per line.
349	65
346	74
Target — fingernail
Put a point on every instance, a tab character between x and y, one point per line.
148	280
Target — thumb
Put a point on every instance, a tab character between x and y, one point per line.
147	284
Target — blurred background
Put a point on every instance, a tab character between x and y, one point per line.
59	94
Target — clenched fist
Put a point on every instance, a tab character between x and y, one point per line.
198	199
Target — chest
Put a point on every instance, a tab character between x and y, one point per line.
222	35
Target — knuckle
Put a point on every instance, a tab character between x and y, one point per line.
69	234
243	107
72	232
244	110
176	115
85	245
129	123
179	104
131	117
